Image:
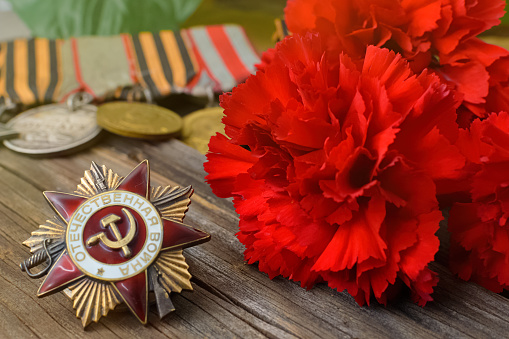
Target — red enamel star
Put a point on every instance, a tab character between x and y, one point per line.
119	234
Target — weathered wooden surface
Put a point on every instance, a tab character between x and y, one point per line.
230	298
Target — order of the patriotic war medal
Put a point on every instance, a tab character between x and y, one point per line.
115	240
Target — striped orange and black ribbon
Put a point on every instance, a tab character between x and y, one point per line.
40	70
30	70
122	93
163	61
281	30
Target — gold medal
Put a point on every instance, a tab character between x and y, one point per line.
199	126
138	120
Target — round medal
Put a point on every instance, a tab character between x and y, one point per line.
53	129
6	133
138	120
115	236
199	126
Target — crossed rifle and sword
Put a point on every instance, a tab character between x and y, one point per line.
49	253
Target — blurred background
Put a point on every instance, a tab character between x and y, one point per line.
106	69
66	18
222	56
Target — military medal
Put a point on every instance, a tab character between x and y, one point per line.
199	126
139	120
55	129
6	133
113	241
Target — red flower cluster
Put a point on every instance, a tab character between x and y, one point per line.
331	163
436	34
480	229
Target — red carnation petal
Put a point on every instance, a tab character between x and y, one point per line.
253	201
447	44
460	260
293	127
300	16
474	49
385	65
415	258
309	235
487	12
422	286
469	142
466	227
393	72
489	179
225	162
433	153
461	76
424	16
356	240
398	184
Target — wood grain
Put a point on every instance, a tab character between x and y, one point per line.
230	299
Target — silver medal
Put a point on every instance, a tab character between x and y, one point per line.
55	129
6	133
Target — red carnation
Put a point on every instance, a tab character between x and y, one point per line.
480	229
436	34
331	166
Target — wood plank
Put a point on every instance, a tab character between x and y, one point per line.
231	299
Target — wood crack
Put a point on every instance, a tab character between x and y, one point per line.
235	300
23	177
21	320
246	321
216	292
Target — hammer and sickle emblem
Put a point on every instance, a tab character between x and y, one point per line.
109	221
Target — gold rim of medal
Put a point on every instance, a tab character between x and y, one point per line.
200	125
139	120
148	121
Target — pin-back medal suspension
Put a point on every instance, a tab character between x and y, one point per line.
113	241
